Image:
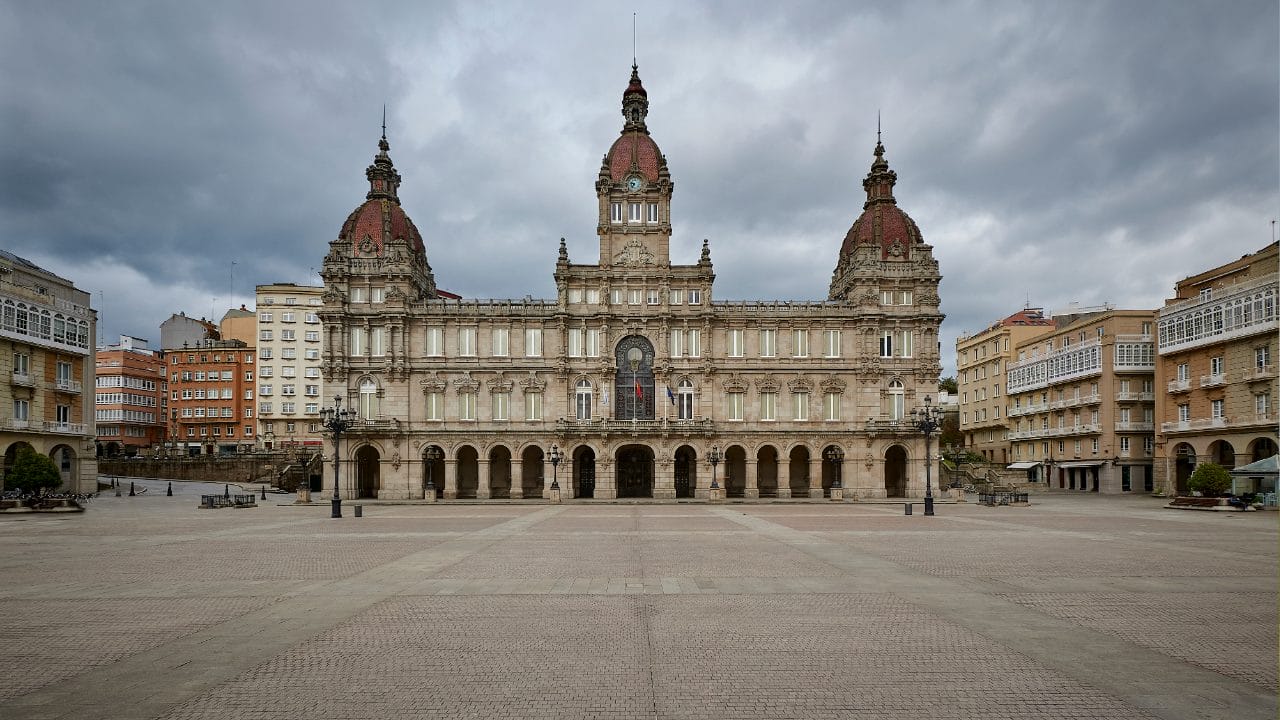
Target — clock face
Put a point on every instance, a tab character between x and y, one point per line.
634	183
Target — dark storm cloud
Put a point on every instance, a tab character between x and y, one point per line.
1090	151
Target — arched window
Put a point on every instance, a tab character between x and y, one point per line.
897	400
685	399
582	399
368	399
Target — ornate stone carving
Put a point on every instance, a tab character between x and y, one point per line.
832	384
533	382
734	383
767	384
433	384
799	385
634	254
466	383
499	384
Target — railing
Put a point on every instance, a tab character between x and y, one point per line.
67	428
12	424
903	425
21	378
1188	425
608	425
1135	396
1135	426
1212	380
68	386
1177	386
1029	409
1259	372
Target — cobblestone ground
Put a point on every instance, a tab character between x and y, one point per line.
1076	607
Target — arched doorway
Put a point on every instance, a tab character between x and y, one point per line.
1221	453
633	382
65	459
767	471
500	472
895	472
531	480
735	472
1261	449
368	481
433	470
584	472
468	469
686	472
634	471
799	467
1184	462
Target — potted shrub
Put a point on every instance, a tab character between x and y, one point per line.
1210	480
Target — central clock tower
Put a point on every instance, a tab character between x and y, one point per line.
634	191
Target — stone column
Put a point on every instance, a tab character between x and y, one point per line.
664	479
815	476
517	478
450	479
753	479
846	475
482	481
784	477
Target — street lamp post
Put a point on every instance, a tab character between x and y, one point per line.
836	456
336	420
556	456
714	458
926	419
433	456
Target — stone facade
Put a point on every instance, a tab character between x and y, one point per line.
634	373
1216	369
290	386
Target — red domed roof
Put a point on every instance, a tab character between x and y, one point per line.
634	149
377	222
882	223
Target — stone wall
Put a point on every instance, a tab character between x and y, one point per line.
283	470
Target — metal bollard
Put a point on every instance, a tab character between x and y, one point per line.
169	492
264	492
359	510
906	507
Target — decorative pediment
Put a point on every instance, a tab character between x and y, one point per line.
499	384
466	383
767	384
833	384
532	383
734	383
433	384
331	297
633	254
799	385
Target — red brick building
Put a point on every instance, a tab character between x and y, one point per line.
211	396
131	398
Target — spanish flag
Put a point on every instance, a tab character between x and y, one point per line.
639	392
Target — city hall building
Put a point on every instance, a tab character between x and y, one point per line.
634	373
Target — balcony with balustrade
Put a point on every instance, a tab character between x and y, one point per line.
23	379
66	385
1180	386
1207	381
1135	397
1130	427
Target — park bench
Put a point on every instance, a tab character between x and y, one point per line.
233	501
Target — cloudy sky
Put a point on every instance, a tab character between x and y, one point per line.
168	156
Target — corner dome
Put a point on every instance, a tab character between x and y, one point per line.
882	223
380	219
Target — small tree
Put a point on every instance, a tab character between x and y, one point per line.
1210	479
32	473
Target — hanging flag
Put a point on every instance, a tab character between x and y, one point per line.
604	397
670	395
639	392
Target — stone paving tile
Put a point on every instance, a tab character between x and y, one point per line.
47	640
1219	631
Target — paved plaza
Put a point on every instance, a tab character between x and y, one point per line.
1075	607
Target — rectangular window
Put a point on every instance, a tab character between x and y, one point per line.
1262	404
376	347
357	343
652	216
377	295
1184	412
677	343
695	297
768	406
575	342
633	212
1126	478
499	340
734	343
467	406
831	403
500	402
312	336
800	406
1215	408
533	405
768	343
593	342
1124	445
886	344
734	405
467	342
533	342
831	343
1261	357
676	297
286	317
615	212
435	406
694	339
593	297
264	317
653	297
265	335
634	296
905	345
615	296
800	344
434	345
1184	372
1215	365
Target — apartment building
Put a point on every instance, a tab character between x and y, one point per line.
132	398
981	360
211	405
1217	369
290	388
1082	402
46	362
239	324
